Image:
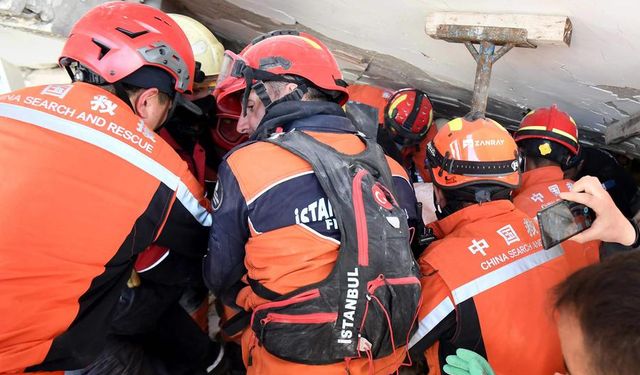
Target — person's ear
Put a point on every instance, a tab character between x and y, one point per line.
146	103
290	87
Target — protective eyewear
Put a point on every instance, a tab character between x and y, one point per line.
233	66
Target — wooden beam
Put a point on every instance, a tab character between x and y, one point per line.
476	27
623	129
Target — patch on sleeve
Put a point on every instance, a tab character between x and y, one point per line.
218	194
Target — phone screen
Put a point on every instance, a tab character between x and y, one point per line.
563	220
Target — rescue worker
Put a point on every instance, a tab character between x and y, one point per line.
548	140
365	109
404	123
373	96
403	127
160	322
408	119
486	279
97	187
225	134
270	211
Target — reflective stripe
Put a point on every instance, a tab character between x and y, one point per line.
275	184
192	205
533	127
432	319
253	229
562	132
554	130
112	145
163	257
504	273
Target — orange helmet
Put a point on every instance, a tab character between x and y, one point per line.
469	152
408	116
548	133
286	56
117	38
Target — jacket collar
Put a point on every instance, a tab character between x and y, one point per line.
303	115
538	176
472	214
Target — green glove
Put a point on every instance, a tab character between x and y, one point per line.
466	362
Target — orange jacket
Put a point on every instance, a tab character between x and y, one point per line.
540	187
485	288
373	96
85	186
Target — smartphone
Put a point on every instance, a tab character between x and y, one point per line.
563	220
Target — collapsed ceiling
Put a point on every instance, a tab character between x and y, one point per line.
384	43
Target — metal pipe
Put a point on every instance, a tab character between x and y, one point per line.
504	49
483	77
472	50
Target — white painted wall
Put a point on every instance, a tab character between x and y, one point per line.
605	49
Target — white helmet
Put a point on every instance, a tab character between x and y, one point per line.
206	48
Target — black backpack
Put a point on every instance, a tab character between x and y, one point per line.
367	306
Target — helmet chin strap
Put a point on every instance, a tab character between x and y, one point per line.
261	76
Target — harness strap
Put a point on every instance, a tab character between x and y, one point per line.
262	291
237	323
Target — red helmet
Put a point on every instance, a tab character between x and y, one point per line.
117	38
470	152
543	130
408	116
229	97
224	133
295	54
229	108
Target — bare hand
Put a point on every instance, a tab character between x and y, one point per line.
610	224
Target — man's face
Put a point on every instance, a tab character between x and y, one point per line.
255	112
575	352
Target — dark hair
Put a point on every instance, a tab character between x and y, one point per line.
605	298
133	90
541	162
531	149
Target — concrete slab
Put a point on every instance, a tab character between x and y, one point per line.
10	77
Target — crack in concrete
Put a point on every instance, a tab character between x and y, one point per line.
623	93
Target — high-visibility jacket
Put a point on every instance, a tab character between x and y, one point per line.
84	187
485	288
540	187
170	268
272	217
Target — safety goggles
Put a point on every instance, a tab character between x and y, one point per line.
233	66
